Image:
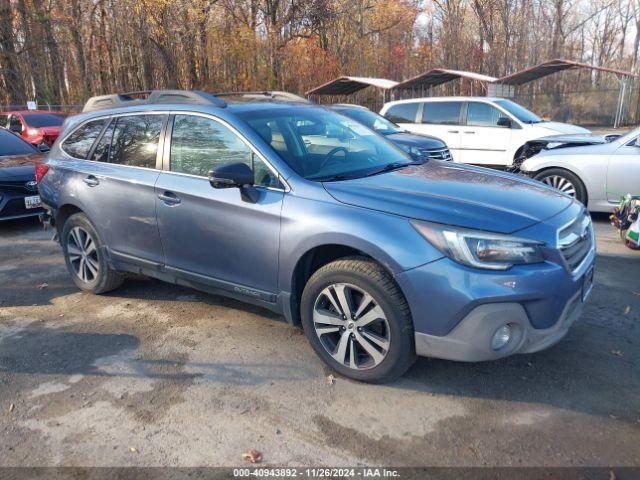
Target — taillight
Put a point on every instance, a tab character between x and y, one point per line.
41	171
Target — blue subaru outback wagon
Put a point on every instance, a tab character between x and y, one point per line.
306	212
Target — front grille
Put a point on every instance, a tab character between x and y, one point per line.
436	153
575	241
18	187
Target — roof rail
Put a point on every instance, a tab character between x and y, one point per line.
147	97
266	94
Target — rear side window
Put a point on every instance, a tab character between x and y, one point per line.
135	140
402	113
101	152
482	115
441	113
79	143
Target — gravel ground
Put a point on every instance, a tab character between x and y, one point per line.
157	375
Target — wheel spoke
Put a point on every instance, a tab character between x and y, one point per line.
76	238
344	297
90	246
378	340
366	301
371	316
326	317
324	330
328	293
371	350
81	270
341	350
92	265
73	251
352	353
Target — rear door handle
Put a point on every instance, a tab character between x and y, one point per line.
169	198
453	131
91	181
469	131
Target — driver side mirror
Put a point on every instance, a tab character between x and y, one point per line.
504	122
233	175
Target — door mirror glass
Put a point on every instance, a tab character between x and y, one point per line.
504	122
231	175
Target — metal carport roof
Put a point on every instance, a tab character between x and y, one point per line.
552	66
348	85
438	76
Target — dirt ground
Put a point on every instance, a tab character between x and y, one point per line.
157	375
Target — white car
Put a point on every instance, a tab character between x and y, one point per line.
478	130
595	171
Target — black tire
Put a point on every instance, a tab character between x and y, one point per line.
547	177
106	279
371	278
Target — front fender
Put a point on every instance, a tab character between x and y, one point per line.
389	239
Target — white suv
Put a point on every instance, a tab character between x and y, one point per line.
477	130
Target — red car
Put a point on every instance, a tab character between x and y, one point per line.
35	126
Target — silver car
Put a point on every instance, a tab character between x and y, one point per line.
596	173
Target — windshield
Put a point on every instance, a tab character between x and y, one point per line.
11	144
372	120
518	111
322	145
37	120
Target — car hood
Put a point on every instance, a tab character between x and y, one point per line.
16	167
562	127
416	140
576	139
454	194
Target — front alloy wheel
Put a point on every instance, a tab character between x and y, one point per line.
561	183
565	181
351	326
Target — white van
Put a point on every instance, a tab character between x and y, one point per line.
477	130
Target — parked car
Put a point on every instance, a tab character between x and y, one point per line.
477	130
380	257
18	188
35	126
596	173
416	145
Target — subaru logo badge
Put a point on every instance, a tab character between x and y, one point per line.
32	185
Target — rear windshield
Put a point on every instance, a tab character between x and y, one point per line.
38	120
11	144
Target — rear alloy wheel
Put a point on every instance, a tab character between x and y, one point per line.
357	320
85	256
565	181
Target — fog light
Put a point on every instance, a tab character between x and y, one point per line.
501	337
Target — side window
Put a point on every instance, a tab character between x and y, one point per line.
441	113
101	152
482	115
79	143
403	112
199	145
135	140
15	124
3	120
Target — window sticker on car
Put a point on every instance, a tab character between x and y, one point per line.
357	128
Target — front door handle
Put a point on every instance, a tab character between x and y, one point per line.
452	131
169	198
91	181
469	131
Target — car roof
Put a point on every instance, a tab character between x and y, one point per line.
443	99
23	112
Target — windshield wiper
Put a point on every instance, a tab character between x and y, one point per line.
392	166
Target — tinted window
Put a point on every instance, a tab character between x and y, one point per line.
79	143
199	145
11	144
135	140
101	152
482	115
441	113
15	123
38	120
518	111
3	120
402	113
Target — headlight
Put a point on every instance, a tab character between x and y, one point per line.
415	151
480	249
